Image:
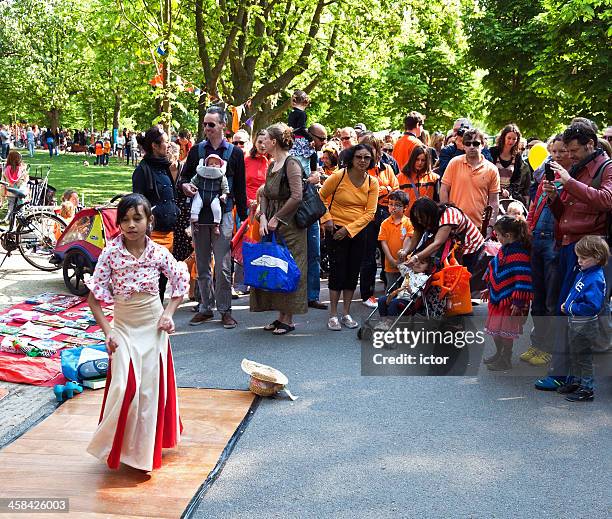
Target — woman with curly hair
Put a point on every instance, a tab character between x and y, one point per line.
280	198
507	158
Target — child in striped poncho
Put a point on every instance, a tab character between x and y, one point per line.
509	290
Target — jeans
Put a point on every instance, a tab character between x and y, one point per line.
4	149
581	335
31	148
313	237
50	146
544	274
207	244
395	307
368	266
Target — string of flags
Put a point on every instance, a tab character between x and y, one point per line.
157	81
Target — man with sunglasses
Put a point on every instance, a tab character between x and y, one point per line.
456	149
206	243
319	139
471	182
348	139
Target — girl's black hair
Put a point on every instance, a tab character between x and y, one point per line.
425	214
132	201
517	227
152	136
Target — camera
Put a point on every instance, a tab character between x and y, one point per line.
549	173
462	129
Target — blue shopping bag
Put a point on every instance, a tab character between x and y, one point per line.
269	265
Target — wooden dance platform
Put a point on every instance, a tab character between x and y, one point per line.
50	460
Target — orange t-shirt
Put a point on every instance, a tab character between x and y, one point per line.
107	147
394	234
403	149
470	187
425	186
387	183
99	149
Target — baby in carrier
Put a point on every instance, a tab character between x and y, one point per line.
213	188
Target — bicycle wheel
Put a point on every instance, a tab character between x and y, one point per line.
36	239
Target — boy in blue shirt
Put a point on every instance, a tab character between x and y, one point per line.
583	305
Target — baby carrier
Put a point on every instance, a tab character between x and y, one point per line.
211	188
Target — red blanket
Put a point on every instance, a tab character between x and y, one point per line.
38	371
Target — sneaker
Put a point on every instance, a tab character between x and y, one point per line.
348	321
371	302
565	389
234	294
200	318
581	395
228	321
549	383
529	354
334	324
541	358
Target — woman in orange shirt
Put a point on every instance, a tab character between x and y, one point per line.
387	183
417	179
353	198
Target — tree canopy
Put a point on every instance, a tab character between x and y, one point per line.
135	63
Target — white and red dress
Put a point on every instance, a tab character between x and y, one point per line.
139	413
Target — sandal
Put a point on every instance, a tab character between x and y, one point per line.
284	328
272	326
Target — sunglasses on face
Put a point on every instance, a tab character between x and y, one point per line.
476	144
210	125
363	158
608	138
239	143
319	137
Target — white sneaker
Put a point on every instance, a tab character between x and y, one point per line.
371	302
349	322
334	324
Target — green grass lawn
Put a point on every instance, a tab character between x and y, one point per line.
96	183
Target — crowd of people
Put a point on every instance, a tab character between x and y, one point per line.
402	195
397	197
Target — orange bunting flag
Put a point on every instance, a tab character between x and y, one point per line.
157	81
235	119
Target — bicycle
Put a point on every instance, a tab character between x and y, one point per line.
34	232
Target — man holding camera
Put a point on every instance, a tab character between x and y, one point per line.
456	148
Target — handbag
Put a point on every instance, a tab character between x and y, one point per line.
311	208
269	265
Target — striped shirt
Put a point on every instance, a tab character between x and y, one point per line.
462	225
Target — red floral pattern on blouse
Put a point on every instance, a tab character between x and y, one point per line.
119	274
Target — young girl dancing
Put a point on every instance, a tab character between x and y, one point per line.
509	290
139	413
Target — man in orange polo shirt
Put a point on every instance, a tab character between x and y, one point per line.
471	182
413	126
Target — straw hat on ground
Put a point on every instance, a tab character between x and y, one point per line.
265	380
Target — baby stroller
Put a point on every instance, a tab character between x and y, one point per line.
431	300
80	245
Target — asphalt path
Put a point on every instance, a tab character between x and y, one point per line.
484	446
412	446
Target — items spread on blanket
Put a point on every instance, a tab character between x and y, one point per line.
48	327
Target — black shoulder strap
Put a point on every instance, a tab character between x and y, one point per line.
337	185
596	182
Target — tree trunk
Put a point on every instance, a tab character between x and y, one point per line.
202	105
117	110
54	115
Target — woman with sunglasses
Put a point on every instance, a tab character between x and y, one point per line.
353	197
